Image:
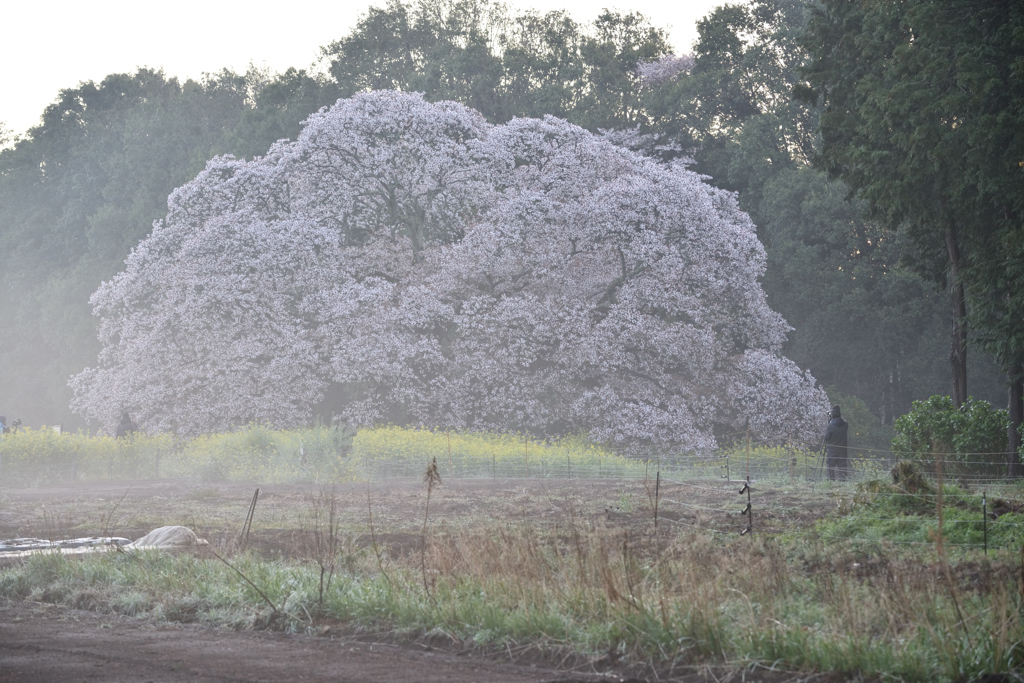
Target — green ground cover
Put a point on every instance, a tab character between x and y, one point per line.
879	513
684	600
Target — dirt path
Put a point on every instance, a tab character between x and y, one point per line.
42	643
47	643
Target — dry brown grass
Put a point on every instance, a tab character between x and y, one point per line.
583	570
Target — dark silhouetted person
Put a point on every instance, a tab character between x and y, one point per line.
835	446
125	427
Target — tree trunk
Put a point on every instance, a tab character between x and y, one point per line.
1016	409
958	318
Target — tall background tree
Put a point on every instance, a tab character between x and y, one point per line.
502	65
83	188
922	105
866	323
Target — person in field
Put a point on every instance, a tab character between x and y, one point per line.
834	443
125	427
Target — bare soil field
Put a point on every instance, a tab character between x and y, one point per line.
217	511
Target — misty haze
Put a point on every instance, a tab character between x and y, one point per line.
529	340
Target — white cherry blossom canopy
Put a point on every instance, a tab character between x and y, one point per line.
524	277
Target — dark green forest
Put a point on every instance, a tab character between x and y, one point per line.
884	182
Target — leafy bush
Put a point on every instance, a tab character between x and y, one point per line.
972	439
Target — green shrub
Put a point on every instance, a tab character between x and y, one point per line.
971	439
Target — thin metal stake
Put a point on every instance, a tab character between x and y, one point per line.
451	467
657	492
526	440
748	454
984	520
748	511
244	536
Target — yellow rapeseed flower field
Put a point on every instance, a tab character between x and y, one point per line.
396	451
34	456
257	453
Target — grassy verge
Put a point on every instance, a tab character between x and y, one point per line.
603	592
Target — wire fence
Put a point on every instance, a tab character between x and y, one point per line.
735	491
737	487
776	466
961	518
33	459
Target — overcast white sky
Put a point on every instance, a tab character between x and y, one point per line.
45	47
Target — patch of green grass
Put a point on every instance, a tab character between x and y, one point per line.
884	513
587	589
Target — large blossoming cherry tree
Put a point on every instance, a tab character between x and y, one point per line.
525	277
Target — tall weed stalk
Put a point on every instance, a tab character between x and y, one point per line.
326	534
431	478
